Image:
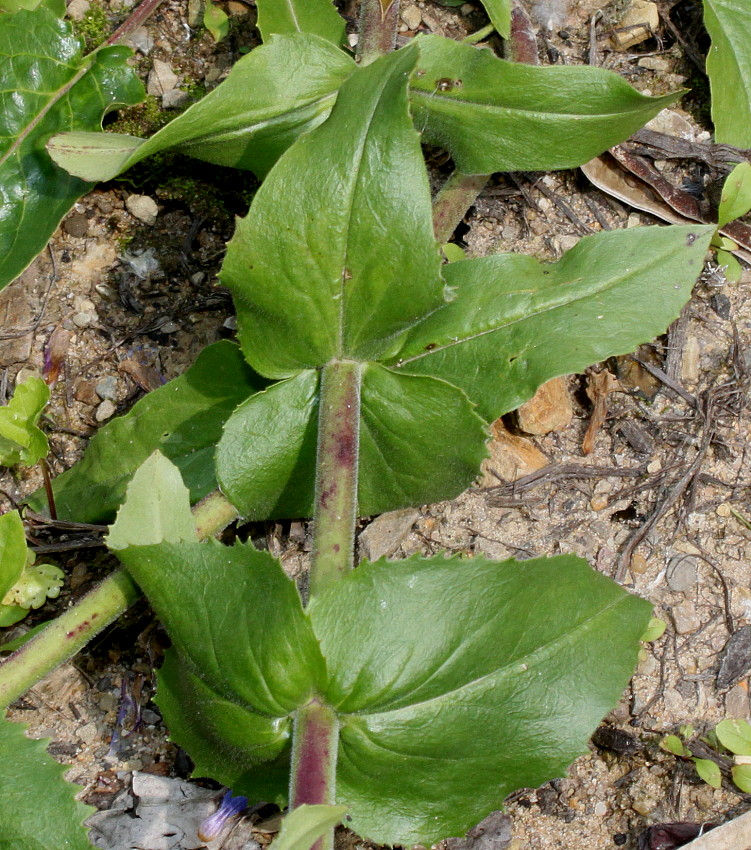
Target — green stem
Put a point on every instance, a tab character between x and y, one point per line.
314	752
336	473
479	35
70	632
377	29
453	200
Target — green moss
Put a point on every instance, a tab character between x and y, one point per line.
94	28
141	120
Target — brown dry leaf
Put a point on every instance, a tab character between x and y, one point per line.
681	202
54	354
605	173
511	457
634	182
548	410
599	386
147	377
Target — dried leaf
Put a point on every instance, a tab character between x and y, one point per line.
735	658
599	386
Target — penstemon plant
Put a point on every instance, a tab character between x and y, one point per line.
415	695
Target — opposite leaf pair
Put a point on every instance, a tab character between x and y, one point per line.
430	652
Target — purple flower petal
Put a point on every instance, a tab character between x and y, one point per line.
229	808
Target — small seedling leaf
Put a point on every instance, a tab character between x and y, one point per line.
673	744
270	97
709	772
20	439
156	508
40	64
655	630
735	735
318	17
303	826
608	294
319	272
736	194
494	115
420	440
440	681
216	21
741	774
728	23
732	269
183	420
38	808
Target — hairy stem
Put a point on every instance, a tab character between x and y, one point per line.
314	751
336	473
453	200
70	632
377	30
139	16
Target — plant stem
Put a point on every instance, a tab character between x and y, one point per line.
70	632
140	15
453	200
314	752
479	35
377	29
213	514
65	636
336	473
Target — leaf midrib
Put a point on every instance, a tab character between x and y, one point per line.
431	97
539	654
613	282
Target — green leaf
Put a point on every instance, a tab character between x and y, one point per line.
458	681
728	23
20	439
741	774
16	5
46	87
318	272
494	115
420	441
216	21
307	16
735	735
516	322
13	551
673	744
709	772
303	826
265	460
655	630
499	12
156	508
270	97
239	623
183	420
453	252
38	808
226	739
732	269
736	194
